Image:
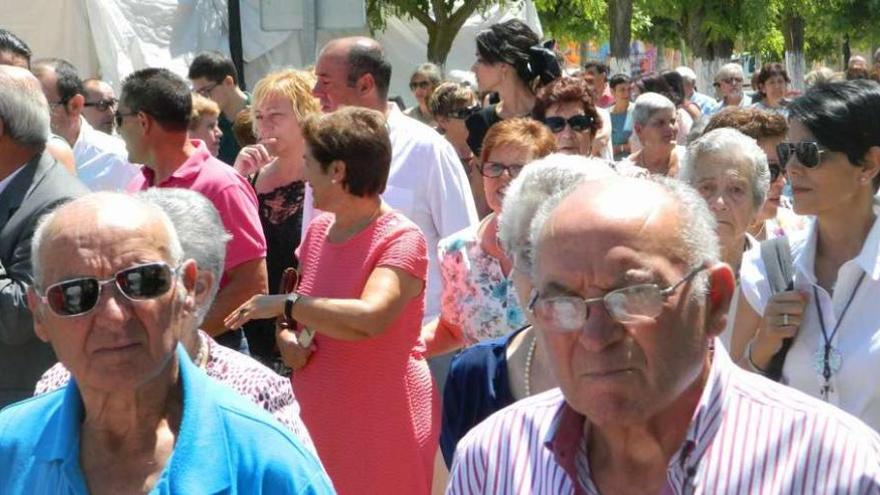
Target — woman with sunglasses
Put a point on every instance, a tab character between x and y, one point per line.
832	158
479	301
422	83
511	62
566	108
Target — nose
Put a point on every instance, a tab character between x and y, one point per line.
316	89
112	307
716	202
600	330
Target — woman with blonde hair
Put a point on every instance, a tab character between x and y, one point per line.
281	101
203	124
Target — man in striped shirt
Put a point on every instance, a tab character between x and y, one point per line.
629	299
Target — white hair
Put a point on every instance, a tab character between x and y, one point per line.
200	229
648	104
542	179
728	70
104	204
687	74
733	145
697	241
24	110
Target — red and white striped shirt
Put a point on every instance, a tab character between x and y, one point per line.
748	435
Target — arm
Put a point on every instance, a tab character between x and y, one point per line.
602	137
386	293
745	324
242	282
441	336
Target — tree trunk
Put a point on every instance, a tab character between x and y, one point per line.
620	22
795	64
709	56
846	51
440	41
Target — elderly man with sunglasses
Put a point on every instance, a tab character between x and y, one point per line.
629	299
111	290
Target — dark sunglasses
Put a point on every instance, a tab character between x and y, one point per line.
102	105
419	84
578	123
809	153
80	295
493	169
775	170
464	113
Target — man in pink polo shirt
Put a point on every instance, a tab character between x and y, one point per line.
152	118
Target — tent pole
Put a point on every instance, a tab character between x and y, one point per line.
235	46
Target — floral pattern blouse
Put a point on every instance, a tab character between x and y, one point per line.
477	297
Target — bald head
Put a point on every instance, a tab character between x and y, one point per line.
358	64
24	112
857	62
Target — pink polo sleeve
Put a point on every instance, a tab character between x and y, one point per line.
237	205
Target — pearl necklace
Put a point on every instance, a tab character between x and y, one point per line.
202	356
529	357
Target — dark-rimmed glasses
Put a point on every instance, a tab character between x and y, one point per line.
206	89
102	105
494	170
633	304
578	123
809	153
79	296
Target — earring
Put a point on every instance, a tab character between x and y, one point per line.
863	180
333	181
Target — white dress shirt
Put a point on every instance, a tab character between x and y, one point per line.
854	387
101	160
427	184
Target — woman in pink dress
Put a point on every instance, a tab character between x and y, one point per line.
363	383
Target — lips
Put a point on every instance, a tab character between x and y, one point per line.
117	347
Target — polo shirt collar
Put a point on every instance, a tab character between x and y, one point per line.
189	169
201	454
567	430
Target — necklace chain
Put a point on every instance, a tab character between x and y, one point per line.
528	371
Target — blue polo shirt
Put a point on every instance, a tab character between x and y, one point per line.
225	445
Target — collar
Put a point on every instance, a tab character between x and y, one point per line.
84	130
5	182
201	430
188	170
568	429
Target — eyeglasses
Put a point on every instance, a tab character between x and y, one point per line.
464	113
102	105
59	103
732	80
414	85
809	153
627	305
119	115
80	295
493	170
206	90
578	123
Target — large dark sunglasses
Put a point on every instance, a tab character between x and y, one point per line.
464	113
80	295
419	84
809	153
578	123
102	105
493	169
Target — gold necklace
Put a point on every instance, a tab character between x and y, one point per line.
529	358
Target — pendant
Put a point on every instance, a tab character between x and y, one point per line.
835	360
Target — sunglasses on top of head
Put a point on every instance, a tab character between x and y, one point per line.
79	296
464	113
809	153
578	123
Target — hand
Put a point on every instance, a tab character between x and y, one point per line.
782	319
254	157
258	307
292	353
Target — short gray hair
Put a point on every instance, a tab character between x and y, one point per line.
103	203
731	143
200	229
24	110
698	242
687	74
648	104
728	70
430	71
555	174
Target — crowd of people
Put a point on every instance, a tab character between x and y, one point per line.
544	281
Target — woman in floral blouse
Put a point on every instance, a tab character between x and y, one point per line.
479	301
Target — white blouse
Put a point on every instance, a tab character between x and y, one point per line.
855	387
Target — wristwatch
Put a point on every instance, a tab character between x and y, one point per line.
291	299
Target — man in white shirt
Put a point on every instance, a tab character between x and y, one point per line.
427	182
101	159
100	105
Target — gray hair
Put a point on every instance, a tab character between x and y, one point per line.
553	175
648	104
430	71
698	242
200	229
687	74
728	70
104	204
731	143
822	75
24	110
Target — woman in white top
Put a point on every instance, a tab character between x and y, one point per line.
730	172
832	155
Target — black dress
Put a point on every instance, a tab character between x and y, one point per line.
478	125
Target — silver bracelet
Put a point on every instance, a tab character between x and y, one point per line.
755	367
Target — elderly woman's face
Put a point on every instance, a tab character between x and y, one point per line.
208	130
569	140
774	88
510	159
724	182
276	126
659	130
121	343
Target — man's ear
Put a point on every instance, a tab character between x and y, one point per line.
871	164
722	287
365	84
33	301
228	82
75	105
